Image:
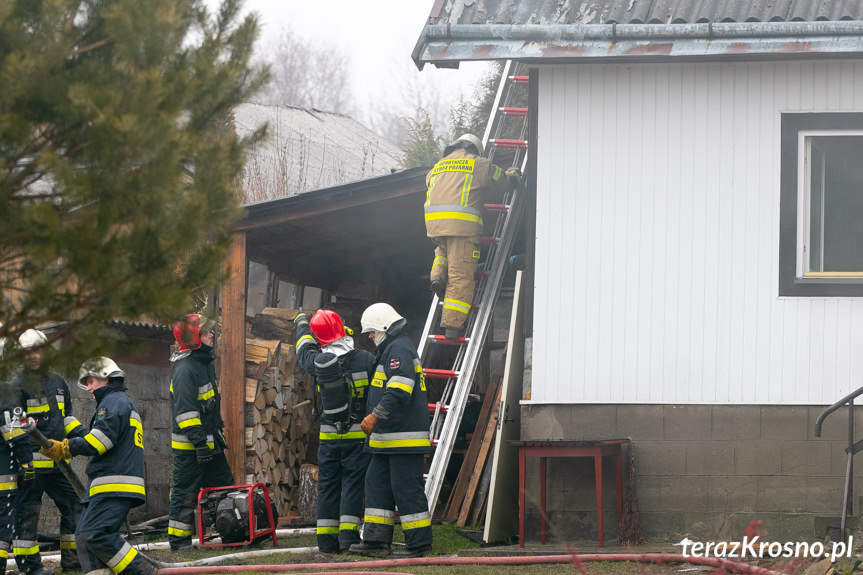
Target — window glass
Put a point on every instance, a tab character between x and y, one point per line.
834	191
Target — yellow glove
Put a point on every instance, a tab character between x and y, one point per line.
369	423
58	451
514	175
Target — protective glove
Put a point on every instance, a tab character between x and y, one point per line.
205	454
58	451
369	423
300	319
27	472
514	176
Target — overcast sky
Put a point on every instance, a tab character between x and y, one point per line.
378	35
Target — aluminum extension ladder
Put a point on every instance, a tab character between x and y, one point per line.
448	412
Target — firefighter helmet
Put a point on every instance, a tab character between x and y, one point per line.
464	141
187	331
101	367
32	338
327	326
379	317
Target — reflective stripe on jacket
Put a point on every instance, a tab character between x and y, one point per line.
115	444
397	395
457	187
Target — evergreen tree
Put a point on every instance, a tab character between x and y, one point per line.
118	160
423	147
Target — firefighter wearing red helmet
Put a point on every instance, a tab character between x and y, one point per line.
326	349
458	185
197	441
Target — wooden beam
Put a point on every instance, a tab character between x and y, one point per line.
232	349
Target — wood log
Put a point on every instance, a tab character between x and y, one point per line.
270	396
260	401
269	326
258	354
249	437
286	314
251	389
249	414
271	345
308	496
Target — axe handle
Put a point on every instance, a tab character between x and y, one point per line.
65	468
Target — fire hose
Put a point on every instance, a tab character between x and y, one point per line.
573	558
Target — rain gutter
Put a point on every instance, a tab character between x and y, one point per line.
448	43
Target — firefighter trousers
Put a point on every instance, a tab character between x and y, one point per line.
341	474
25	546
395	482
99	543
455	262
189	478
8	504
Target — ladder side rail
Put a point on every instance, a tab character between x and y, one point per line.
429	326
441	457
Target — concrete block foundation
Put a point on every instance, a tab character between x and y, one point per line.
702	471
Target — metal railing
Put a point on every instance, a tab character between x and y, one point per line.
852	449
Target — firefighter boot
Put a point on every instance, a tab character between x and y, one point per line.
371	549
438	286
409	553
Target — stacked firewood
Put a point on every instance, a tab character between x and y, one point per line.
280	412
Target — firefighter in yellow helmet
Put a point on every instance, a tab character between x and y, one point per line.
458	186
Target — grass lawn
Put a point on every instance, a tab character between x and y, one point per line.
447	543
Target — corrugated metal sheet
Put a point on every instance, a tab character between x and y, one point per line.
645	11
308	149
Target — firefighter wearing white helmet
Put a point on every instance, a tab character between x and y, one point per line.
115	470
49	402
458	186
15	461
398	437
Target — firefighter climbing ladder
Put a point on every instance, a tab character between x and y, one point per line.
448	412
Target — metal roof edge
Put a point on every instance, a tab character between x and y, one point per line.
444	44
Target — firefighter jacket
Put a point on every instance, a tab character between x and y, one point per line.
48	401
15	450
115	445
196	403
357	364
458	185
397	395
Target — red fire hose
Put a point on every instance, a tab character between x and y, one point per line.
575	558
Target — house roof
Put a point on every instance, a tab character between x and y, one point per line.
308	149
371	231
573	30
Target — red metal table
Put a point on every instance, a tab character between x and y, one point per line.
561	448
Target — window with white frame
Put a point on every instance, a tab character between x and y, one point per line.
821	216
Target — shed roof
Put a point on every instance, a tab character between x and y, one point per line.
543	30
308	149
371	231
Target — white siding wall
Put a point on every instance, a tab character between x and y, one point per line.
658	238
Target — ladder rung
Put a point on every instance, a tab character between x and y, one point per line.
489	240
513	111
496	208
433	406
443	340
519	79
439	373
505	143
